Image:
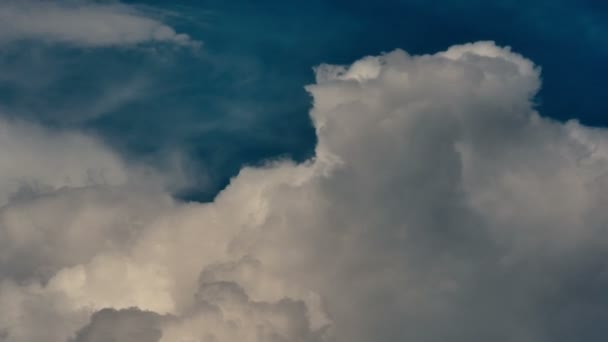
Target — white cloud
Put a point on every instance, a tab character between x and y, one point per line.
83	23
439	206
35	159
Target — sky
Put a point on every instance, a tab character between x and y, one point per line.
320	171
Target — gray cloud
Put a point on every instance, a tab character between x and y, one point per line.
439	206
121	326
83	23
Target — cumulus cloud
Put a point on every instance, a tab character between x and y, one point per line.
83	23
439	206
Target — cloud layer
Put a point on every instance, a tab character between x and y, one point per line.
439	206
82	23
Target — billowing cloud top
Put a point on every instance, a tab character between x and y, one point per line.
82	23
439	206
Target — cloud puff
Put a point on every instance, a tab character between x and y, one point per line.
439	206
83	23
121	325
34	159
223	312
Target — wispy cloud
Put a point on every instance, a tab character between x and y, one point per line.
83	23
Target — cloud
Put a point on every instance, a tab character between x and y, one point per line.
223	312
439	206
83	23
35	159
122	325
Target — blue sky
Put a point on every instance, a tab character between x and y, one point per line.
240	98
